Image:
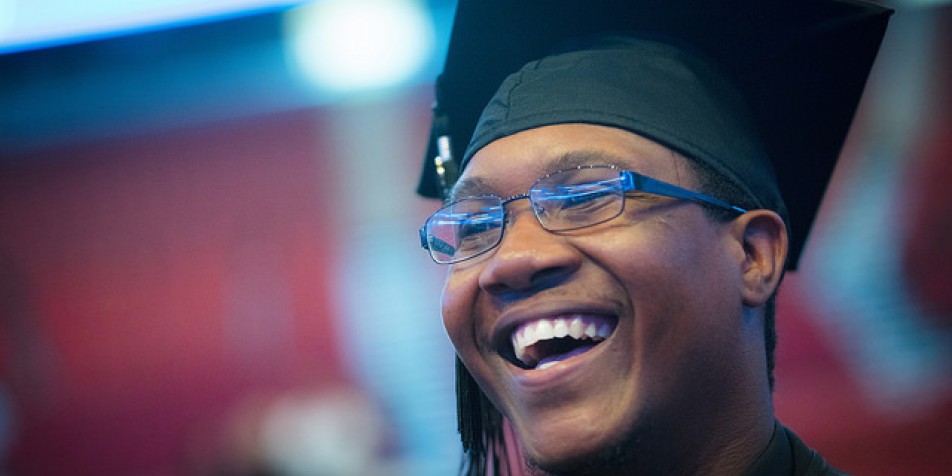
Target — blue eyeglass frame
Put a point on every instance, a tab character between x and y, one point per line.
630	182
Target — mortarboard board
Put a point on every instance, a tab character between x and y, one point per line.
800	66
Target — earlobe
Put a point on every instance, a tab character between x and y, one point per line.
764	239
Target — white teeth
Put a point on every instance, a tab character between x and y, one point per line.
596	328
576	328
530	334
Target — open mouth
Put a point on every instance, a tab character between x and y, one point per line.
542	343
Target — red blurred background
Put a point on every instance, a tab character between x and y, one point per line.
164	284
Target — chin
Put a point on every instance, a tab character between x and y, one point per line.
606	460
580	453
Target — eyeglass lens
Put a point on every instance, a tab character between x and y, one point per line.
565	200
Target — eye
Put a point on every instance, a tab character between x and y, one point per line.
477	231
582	202
587	196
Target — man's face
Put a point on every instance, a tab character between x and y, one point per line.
663	277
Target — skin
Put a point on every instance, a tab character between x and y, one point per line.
680	387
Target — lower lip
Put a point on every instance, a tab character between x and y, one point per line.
558	372
568	355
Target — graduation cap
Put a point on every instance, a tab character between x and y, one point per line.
798	66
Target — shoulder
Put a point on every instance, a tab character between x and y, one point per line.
806	461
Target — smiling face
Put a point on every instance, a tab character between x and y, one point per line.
667	355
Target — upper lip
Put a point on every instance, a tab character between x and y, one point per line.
511	319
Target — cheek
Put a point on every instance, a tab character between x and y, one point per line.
460	313
674	277
457	303
683	296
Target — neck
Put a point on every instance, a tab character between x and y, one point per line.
724	435
730	446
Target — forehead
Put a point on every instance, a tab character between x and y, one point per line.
511	164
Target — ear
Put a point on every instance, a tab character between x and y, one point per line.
763	237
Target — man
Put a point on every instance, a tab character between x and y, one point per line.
638	176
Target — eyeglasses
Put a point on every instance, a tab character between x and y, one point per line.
566	200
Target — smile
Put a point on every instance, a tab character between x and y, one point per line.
541	343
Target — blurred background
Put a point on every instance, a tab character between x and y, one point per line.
209	262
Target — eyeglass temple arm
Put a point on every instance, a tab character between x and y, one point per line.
645	184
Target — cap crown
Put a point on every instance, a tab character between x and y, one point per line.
800	67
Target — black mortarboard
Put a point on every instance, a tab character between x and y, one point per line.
799	66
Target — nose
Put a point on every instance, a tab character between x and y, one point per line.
529	258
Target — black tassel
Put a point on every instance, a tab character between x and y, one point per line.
441	167
447	170
441	132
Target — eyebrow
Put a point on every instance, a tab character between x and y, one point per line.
586	157
477	186
468	187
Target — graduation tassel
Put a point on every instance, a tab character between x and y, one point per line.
447	170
